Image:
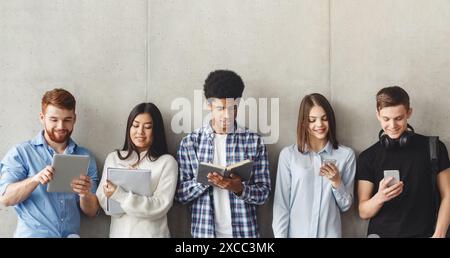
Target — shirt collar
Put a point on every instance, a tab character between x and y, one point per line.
40	140
328	148
210	131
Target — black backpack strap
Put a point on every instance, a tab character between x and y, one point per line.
434	154
433	140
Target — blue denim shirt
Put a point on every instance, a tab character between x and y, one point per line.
43	214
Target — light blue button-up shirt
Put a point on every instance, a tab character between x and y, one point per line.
306	204
43	214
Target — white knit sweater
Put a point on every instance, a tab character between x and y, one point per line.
144	216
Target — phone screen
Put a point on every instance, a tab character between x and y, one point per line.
392	173
328	161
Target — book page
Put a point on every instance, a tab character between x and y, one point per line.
240	163
242	169
204	169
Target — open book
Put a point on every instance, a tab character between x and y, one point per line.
243	169
134	180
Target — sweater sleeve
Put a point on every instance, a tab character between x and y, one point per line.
157	205
102	199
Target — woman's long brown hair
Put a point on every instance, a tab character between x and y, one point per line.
306	105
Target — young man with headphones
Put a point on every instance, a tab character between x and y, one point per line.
404	208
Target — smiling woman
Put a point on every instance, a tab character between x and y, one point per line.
141	132
315	176
145	132
144	148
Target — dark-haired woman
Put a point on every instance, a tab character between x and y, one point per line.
145	147
315	176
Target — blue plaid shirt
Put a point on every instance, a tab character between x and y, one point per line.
242	144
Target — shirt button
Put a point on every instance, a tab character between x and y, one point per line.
62	219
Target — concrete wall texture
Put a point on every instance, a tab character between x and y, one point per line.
113	55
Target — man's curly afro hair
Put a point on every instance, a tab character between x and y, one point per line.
223	84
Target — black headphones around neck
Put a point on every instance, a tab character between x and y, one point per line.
403	141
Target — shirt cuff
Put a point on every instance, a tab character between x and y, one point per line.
339	192
201	187
119	195
245	192
3	188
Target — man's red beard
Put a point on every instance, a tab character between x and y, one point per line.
56	138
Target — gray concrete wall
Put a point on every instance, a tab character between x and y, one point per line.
379	43
113	55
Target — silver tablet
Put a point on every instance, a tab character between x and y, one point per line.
67	168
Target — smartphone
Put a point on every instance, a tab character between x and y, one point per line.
392	173
328	161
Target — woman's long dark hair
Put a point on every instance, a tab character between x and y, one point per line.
159	144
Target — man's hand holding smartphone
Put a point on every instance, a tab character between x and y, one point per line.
390	186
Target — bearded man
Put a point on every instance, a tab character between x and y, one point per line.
26	169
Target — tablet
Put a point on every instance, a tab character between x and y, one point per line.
67	168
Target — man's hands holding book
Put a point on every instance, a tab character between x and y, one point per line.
233	183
